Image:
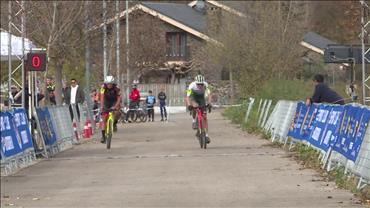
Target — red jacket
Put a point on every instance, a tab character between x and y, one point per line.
134	95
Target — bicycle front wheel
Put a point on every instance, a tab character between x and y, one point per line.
133	116
143	116
109	133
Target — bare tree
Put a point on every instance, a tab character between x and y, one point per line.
56	26
257	47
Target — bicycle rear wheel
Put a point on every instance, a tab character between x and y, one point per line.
203	139
199	137
109	133
133	115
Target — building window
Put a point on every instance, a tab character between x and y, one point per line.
176	44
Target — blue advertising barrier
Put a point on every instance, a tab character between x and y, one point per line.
325	126
352	131
46	126
15	134
10	145
21	123
302	123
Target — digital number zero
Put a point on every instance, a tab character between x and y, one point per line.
36	62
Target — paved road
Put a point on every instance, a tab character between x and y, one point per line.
161	165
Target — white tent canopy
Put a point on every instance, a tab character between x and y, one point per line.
16	43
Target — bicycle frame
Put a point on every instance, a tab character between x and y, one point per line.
201	118
110	122
109	129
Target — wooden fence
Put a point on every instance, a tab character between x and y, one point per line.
175	92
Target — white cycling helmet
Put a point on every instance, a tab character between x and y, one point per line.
199	79
109	80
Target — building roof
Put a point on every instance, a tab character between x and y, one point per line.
181	13
178	15
317	41
234	7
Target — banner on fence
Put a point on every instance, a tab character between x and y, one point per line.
352	131
15	134
302	123
46	126
325	126
21	123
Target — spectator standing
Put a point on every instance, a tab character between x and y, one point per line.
150	101
50	87
74	95
162	104
134	98
322	93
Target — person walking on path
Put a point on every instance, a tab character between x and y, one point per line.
74	95
162	104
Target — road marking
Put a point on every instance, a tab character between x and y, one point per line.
169	156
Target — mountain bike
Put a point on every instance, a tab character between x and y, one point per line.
201	118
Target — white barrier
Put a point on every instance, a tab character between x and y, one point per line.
280	120
362	165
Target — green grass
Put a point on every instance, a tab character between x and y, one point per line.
292	90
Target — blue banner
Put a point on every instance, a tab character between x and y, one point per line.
302	124
21	123
325	126
352	131
11	142
46	125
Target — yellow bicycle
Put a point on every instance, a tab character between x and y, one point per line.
109	128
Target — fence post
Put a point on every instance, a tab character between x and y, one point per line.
266	113
250	104
259	107
261	112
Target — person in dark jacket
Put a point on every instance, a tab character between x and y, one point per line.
323	94
74	95
162	104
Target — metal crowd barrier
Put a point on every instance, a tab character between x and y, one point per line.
362	165
63	123
281	120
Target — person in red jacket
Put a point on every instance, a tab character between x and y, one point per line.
134	100
134	96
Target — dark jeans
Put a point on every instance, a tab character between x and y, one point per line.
162	106
71	111
150	112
